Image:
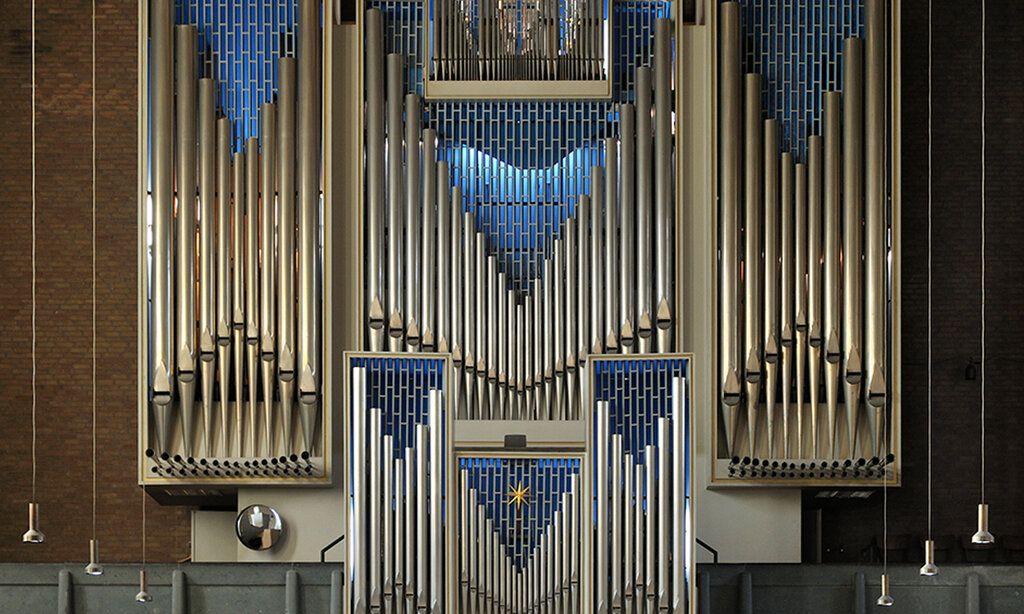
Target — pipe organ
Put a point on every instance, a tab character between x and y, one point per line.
233	333
807	303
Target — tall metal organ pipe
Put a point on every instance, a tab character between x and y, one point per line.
752	289
395	201
644	212
853	243
184	268
663	190
375	194
207	129
308	161
162	145
771	275
286	347
730	159
875	248
224	280
268	305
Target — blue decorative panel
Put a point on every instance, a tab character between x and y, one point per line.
399	386
239	43
796	45
520	527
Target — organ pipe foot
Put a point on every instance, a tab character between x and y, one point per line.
852	398
252	356
308	413
238	345
787	380
162	422
801	361
224	381
187	396
208	369
287	384
269	435
753	386
814	367
832	391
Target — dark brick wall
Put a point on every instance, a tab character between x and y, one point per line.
957	278
64	290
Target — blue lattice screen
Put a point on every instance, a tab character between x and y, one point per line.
520	529
399	386
239	42
796	46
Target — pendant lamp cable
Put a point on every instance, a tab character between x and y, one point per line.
983	251
94	269
33	251
143	490
929	269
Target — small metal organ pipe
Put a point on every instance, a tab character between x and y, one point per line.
375	193
752	301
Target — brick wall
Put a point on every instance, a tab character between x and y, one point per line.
957	278
64	289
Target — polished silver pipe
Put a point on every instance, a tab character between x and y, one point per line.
474	530
469	312
161	271
486	563
538	348
224	306
786	297
428	244
409	512
252	287
373	560
357	515
644	211
679	462
457	290
308	161
639	537
665	486
650	583
490	296
800	277
629	524
611	245
522	335
435	417
207	130
601	544
730	156
444	258
548	335
853	243
413	220
185	228
596	262
387	469
482	322
503	297
285	158
832	280
752	290
617	532
583	277
575	559
464	536
400	543
395	203
238	294
814	282
664	199
528	312
422	536
268	226
571	314
626	322
875	221
375	194
771	275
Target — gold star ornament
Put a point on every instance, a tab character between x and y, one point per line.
519	495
